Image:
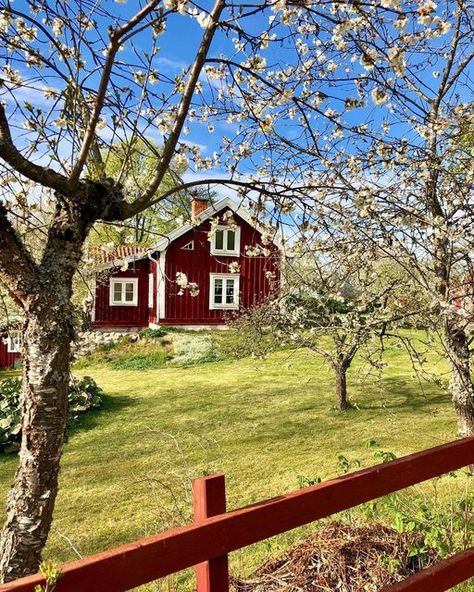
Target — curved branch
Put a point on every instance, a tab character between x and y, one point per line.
11	155
144	201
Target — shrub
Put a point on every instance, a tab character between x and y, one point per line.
152	333
141	360
190	349
84	395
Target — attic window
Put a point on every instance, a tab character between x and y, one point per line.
226	241
188	246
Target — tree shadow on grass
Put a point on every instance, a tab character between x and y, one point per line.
85	422
403	394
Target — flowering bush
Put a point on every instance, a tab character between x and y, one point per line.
84	395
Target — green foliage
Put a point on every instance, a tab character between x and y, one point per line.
145	360
446	527
51	573
190	349
155	348
152	333
10	425
84	395
134	166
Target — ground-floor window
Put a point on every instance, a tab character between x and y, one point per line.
124	291
224	291
15	342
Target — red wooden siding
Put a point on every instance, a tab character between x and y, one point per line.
123	316
7	360
198	264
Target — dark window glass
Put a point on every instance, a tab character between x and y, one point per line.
230	240
117	292
229	292
217	291
219	244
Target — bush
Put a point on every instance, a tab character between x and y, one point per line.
152	333
84	395
145	360
190	349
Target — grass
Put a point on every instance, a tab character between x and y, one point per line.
126	469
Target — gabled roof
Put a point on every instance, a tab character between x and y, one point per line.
165	241
208	213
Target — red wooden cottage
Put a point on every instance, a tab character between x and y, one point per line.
194	276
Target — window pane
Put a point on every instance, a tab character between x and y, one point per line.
117	292
218	291
219	244
230	240
229	292
128	292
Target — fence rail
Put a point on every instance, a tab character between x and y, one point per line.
215	533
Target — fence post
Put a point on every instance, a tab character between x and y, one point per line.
209	500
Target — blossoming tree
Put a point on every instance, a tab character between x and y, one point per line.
321	106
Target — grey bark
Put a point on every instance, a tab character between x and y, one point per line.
341	386
48	335
461	386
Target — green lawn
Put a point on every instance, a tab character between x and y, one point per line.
261	422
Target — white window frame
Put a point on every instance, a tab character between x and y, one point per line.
123	281
226	252
224	276
189	246
15	342
151	288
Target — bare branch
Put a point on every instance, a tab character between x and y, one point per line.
11	155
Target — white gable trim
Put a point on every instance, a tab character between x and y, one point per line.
165	242
210	212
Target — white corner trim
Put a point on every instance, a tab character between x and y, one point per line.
94	299
123	280
161	287
235	305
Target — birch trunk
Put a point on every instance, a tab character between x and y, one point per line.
44	398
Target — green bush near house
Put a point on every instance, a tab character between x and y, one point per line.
84	395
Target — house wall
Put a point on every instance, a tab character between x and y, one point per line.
7	360
107	316
199	263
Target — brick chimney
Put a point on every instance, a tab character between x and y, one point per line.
198	205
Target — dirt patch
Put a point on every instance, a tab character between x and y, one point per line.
343	558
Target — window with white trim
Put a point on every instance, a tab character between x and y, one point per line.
188	246
224	291
151	285
225	241
123	291
15	342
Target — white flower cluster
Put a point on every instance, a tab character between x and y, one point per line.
185	285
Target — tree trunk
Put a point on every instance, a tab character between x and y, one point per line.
44	405
44	401
461	387
341	387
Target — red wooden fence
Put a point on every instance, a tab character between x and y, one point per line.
215	533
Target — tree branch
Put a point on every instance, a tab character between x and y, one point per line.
18	270
11	155
168	150
115	41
